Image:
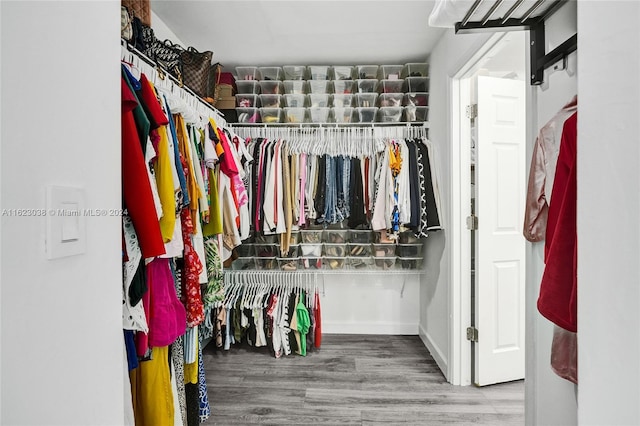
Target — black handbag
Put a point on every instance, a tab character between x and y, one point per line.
165	53
195	70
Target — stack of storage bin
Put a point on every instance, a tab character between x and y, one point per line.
340	94
247	100
331	249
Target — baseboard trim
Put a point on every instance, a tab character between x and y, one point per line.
369	328
434	350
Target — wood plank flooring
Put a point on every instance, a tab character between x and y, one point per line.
351	380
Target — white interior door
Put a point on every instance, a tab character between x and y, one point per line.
500	246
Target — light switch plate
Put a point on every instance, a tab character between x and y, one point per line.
66	233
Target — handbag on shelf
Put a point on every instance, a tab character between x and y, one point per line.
139	8
165	53
196	67
213	86
126	24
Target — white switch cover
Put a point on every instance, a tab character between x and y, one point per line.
65	221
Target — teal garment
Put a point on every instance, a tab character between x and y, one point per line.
304	322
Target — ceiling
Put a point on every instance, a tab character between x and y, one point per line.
303	32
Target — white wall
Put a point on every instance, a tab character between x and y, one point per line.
550	400
61	326
162	31
608	212
370	303
449	55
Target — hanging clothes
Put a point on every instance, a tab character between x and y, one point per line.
542	173
558	290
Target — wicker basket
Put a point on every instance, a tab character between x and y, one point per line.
141	9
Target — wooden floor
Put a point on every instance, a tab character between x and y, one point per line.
351	380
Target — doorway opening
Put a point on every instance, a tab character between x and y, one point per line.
490	99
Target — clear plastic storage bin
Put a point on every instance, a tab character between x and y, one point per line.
310	250
367	85
384	250
318	72
271	87
334	262
243	263
294	72
367	71
384	263
391	99
360	262
248	115
288	263
409	250
247	73
267	239
245	250
366	99
248	87
294	87
366	114
390	72
343	86
295	101
391	86
360	236
292	253
319	115
295	115
390	114
341	100
416	113
408	237
342	72
271	73
359	250
267	250
317	100
311	262
416	99
266	263
334	250
294	238
410	262
318	86
271	115
270	101
415	69
417	84
342	115
336	236
247	100
313	236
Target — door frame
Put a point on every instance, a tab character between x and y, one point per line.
460	290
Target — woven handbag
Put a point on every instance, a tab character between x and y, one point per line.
195	70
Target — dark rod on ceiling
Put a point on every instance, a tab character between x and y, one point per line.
491	11
530	11
511	11
471	12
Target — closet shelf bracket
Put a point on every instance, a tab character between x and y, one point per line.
539	59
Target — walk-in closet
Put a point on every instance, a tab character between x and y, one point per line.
319	212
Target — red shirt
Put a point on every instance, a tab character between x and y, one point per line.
558	291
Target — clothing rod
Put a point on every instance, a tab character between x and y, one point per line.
152	63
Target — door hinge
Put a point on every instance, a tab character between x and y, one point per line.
472	334
472	111
472	222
